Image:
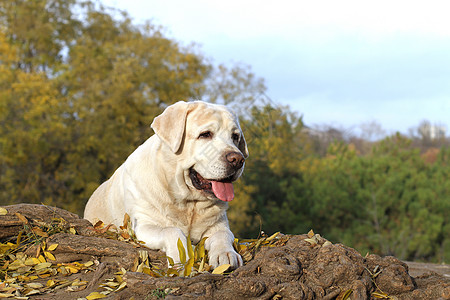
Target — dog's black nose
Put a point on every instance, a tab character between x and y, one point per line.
235	159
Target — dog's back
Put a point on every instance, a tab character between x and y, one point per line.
100	207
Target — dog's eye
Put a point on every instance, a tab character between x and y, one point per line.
205	135
235	137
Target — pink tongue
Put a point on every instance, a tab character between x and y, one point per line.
223	190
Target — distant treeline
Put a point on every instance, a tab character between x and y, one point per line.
80	84
388	197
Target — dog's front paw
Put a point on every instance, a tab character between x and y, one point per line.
225	257
172	235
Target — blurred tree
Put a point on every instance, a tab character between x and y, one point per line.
274	139
80	90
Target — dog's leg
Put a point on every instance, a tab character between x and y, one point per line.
220	249
165	239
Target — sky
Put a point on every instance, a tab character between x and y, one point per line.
336	63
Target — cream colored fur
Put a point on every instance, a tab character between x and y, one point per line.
153	186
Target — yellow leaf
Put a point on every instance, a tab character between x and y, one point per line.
327	243
19	238
380	295
50	283
42	266
140	268
2	295
95	295
311	241
149	271
72	269
236	245
172	271
188	267
41	259
190	252
35	285
181	251
125	235
143	256
221	269
33	292
49	255
170	259
15	265
200	249
32	261
40	232
121	286
272	236
110	284
72	230
347	294
99	224
311	233
89	263
3	211
202	265
21	218
52	247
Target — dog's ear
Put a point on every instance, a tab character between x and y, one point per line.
243	146
170	125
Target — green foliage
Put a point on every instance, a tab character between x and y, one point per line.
390	201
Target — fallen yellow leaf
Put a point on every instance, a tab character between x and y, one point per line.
32	261
89	263
52	247
42	266
221	269
72	269
202	265
3	211
49	255
121	286
35	285
50	283
272	236
95	295
16	264
4	295
311	241
40	232
21	218
33	292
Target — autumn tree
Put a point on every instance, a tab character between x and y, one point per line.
80	88
274	136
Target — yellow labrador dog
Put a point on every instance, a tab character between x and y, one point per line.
179	182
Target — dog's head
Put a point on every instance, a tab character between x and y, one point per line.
209	144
